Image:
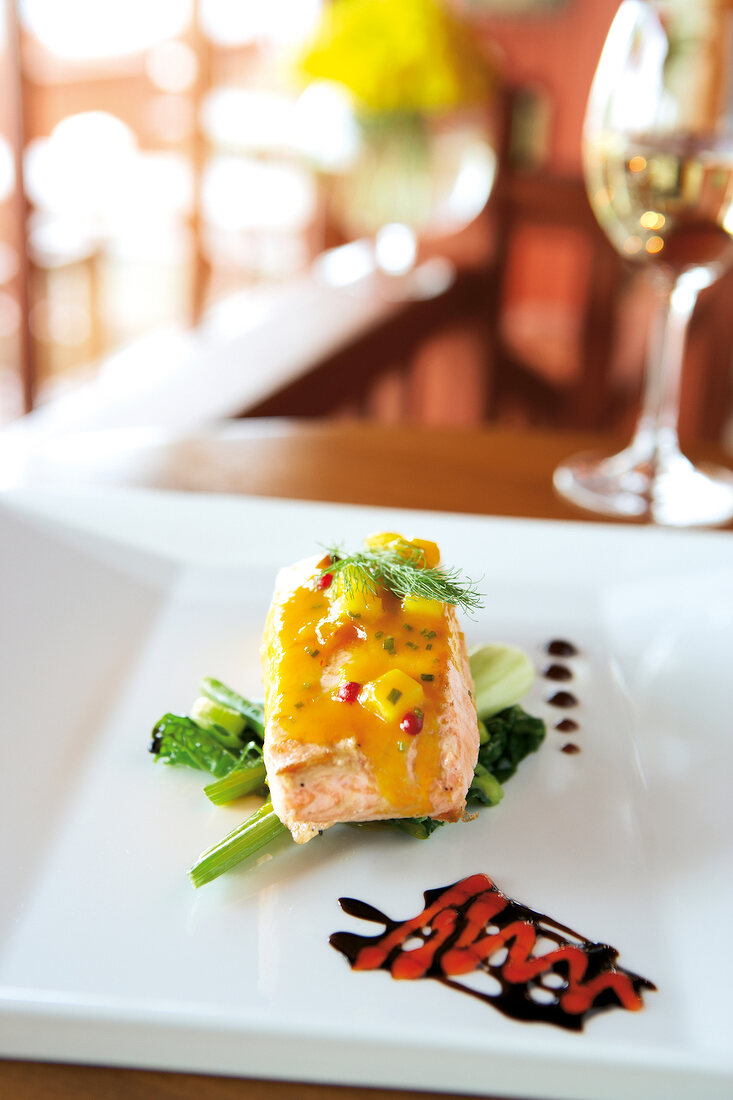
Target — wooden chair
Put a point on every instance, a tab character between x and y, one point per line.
569	385
601	388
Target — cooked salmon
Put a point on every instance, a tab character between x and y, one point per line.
368	703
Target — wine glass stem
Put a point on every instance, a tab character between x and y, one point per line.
655	440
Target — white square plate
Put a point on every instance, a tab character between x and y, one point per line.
113	605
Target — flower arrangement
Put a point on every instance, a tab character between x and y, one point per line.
398	56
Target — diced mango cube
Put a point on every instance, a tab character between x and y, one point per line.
382	540
390	539
392	695
430	609
429	549
353	601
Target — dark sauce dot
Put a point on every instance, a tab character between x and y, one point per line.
557	672
567	725
563	699
570	748
560	648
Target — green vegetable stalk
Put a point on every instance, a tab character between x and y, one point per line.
242	843
253	713
248	776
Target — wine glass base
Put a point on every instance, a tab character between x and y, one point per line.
673	493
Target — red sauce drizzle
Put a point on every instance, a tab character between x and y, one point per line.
462	926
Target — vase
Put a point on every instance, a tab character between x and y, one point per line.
417	175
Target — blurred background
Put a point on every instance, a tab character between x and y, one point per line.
291	208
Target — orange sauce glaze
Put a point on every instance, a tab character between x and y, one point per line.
309	658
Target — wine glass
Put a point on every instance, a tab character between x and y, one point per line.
658	164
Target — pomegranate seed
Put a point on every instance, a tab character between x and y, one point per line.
348	693
411	723
324	581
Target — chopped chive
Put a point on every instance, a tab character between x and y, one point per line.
313	652
426	676
298	706
417	712
401	746
388	644
428	634
406	626
428	646
394	695
379	634
411	645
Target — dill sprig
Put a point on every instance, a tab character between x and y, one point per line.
401	569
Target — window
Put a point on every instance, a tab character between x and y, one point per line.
148	167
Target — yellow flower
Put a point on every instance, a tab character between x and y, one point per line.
398	56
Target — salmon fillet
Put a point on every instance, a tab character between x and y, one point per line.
368	703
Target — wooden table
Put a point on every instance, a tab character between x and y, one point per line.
492	471
488	471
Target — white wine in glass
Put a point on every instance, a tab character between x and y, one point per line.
658	162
